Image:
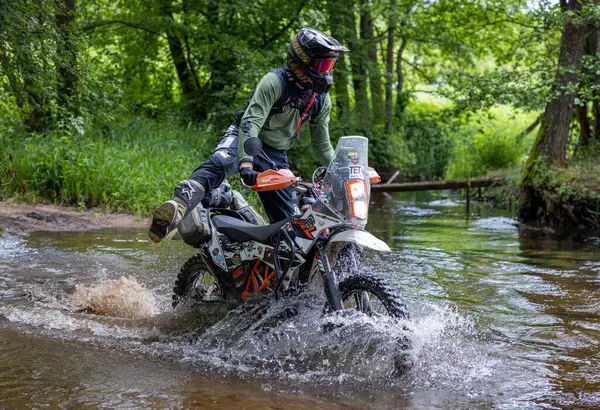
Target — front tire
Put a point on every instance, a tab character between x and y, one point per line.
196	282
376	296
372	295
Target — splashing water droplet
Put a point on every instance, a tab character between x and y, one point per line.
125	298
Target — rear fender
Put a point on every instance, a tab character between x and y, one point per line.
361	238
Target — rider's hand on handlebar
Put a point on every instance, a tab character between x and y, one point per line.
248	175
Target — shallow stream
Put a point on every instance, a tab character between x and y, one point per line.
504	316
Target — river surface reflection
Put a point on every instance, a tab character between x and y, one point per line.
505	316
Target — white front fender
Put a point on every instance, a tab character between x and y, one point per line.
361	238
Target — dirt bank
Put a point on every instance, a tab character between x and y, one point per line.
18	218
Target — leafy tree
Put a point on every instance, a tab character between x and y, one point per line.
551	143
27	51
215	49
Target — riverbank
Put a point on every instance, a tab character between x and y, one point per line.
19	218
566	196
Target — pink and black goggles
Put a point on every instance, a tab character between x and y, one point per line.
323	65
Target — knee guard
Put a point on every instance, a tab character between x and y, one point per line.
189	193
219	197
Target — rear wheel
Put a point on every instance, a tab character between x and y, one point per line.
196	283
372	295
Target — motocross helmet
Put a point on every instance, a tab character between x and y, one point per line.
312	56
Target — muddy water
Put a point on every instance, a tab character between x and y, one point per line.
504	316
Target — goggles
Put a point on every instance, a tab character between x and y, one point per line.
322	66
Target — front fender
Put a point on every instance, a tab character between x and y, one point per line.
361	238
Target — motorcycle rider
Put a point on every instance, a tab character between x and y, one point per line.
282	101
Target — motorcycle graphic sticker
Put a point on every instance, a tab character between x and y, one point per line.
306	226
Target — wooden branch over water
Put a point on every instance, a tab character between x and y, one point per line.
479	182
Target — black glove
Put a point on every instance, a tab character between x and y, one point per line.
305	202
248	176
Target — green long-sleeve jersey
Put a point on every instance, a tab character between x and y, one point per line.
277	130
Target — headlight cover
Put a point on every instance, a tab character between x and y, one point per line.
358	195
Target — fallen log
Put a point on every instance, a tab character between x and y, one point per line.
479	182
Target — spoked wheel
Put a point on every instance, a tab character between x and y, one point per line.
196	282
372	295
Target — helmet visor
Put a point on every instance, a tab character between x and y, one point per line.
323	65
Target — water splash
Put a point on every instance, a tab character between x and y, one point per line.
125	298
290	338
449	350
65	325
293	338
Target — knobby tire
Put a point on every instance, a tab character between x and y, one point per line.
381	288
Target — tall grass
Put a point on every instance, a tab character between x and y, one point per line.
129	165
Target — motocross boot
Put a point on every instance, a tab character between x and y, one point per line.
169	214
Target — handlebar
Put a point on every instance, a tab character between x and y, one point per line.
271	180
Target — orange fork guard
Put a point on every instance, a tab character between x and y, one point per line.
272	180
374	177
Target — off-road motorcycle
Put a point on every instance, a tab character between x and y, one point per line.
319	247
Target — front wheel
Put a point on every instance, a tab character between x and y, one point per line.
372	295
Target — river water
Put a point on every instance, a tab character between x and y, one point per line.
503	316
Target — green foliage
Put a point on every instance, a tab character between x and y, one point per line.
579	182
128	165
427	131
490	142
389	151
74	74
38	60
7	174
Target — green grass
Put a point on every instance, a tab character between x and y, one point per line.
128	165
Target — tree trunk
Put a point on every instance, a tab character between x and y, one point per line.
401	96
590	49
584	124
36	116
553	135
559	111
596	112
67	62
593	48
361	101
366	35
338	17
389	71
182	67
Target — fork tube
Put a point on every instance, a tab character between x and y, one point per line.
332	290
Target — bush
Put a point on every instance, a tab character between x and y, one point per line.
128	165
389	151
427	133
490	142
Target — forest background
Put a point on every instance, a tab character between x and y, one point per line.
110	103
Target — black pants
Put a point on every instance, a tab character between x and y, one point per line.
279	205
